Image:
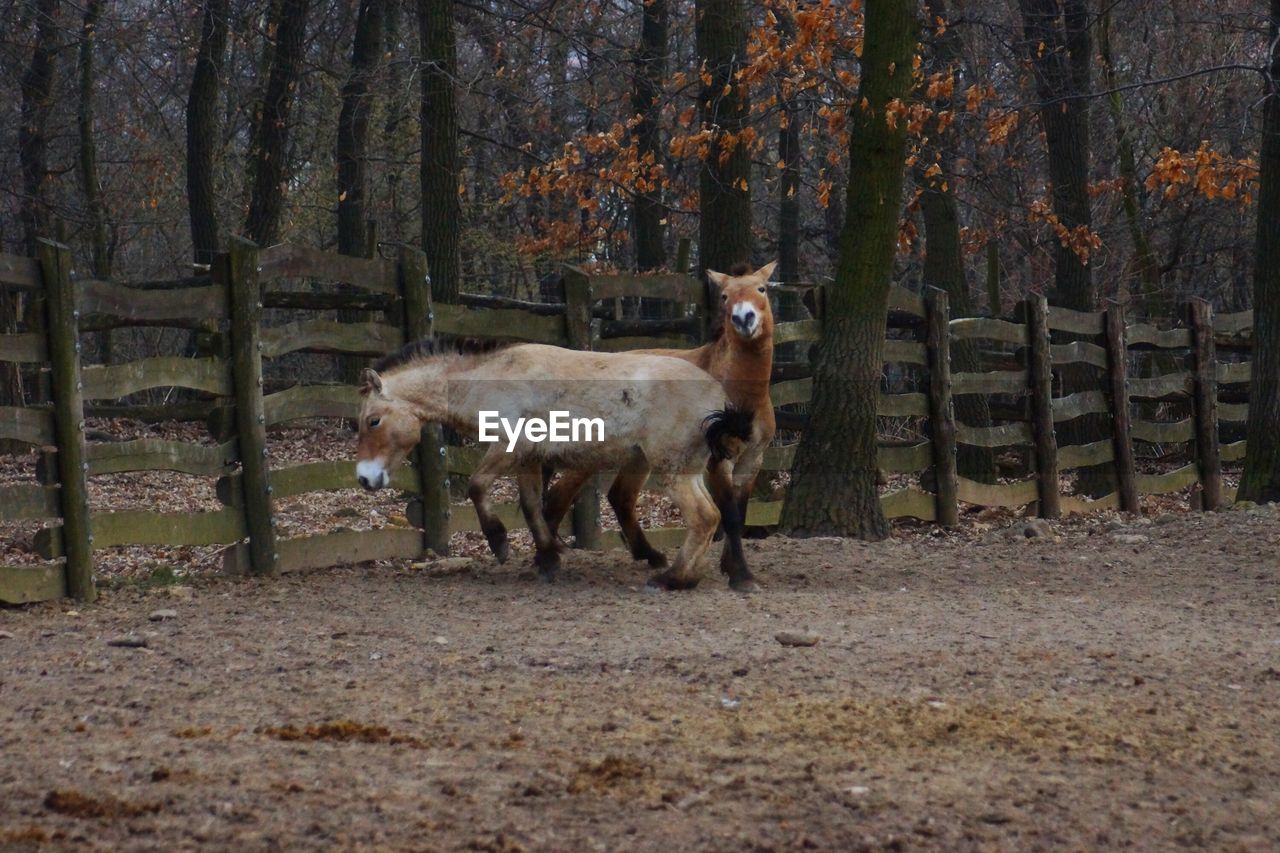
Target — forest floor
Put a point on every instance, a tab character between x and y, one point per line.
1100	683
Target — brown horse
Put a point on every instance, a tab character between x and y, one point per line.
741	357
656	412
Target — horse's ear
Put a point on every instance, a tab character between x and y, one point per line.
719	279
370	381
765	271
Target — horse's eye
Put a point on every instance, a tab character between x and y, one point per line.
373	422
724	297
760	288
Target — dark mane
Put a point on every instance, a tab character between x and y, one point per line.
425	348
740	269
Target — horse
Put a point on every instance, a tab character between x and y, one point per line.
741	357
654	411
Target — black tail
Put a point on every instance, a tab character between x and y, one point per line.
724	424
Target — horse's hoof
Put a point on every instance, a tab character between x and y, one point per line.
548	566
744	585
656	560
671	582
502	551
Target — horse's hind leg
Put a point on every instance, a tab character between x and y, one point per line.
622	497
547	555
559	498
701	517
733	562
494	464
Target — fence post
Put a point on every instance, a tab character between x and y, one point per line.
1204	355
432	462
577	322
63	330
1121	439
942	416
1041	364
237	270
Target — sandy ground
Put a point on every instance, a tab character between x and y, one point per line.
1105	685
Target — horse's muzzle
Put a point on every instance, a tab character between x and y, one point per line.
372	476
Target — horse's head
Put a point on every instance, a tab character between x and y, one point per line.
744	299
389	429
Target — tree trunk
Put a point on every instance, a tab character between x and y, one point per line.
353	130
651	67
724	233
88	147
441	225
1057	40
202	131
1057	43
1145	259
789	185
944	265
1261	479
37	100
89	184
833	481
271	141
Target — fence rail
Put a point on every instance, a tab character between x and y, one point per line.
1028	355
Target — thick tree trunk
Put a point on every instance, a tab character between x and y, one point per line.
202	131
37	100
944	265
271	141
724	233
833	480
353	130
441	214
650	68
1261	479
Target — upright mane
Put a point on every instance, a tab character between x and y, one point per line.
424	349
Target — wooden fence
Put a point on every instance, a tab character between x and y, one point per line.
242	287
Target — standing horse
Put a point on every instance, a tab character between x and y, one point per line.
656	412
741	357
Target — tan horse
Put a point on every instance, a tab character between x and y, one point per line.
741	357
656	412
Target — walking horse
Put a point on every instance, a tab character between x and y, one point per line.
658	413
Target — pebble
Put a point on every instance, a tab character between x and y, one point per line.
1131	539
1167	518
129	641
791	638
6	635
161	615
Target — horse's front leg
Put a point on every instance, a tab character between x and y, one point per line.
495	463
547	555
700	517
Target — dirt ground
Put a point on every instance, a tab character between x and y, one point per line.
1109	684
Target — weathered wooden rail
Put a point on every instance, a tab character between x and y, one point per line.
243	285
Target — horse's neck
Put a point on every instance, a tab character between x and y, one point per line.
747	360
